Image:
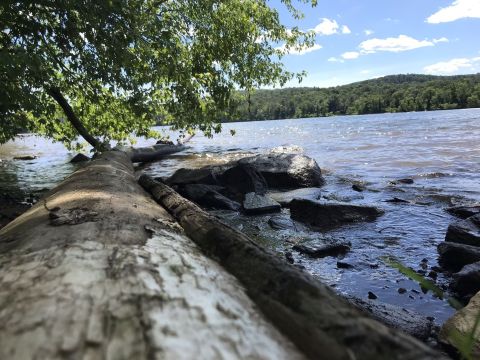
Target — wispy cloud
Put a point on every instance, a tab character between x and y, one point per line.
334	59
330	27
392	44
440	40
299	50
368	32
453	66
459	9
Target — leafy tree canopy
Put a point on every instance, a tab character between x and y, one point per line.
119	66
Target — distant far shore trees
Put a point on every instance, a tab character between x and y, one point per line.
396	93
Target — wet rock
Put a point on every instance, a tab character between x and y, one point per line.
323	250
464	212
259	204
325	216
25	157
286	197
289	257
286	171
402	290
462	324
372	296
467	281
243	179
281	222
397	200
358	187
79	158
205	175
396	317
208	196
344	265
465	231
405	181
433	275
454	256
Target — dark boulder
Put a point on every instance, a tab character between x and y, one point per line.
242	179
206	175
464	212
281	222
79	158
287	171
333	248
208	196
259	204
396	317
467	281
454	256
326	216
285	197
465	231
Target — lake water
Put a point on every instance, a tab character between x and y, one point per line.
439	150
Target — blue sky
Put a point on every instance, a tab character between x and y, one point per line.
364	39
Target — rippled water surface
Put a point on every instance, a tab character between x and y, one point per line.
440	151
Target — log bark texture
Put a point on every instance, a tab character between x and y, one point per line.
99	271
321	324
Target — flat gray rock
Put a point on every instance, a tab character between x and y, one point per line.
285	197
454	256
259	204
467	281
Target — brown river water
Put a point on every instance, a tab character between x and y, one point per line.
439	150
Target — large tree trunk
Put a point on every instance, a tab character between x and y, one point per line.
320	323
97	270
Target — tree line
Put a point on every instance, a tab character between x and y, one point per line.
395	93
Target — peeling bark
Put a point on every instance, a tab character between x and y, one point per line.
117	278
319	322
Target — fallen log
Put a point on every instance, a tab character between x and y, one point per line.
97	270
320	323
153	153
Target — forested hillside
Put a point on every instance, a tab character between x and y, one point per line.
395	93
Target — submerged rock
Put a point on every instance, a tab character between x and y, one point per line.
461	325
79	158
467	281
323	250
285	197
279	222
396	317
208	196
464	212
465	231
454	256
259	204
325	216
25	157
286	171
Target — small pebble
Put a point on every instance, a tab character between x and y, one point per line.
372	296
289	257
402	290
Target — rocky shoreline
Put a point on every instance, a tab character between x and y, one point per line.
284	187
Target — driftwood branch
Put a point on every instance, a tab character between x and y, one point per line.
320	323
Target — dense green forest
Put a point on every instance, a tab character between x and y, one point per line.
395	93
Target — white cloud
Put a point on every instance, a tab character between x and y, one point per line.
330	27
368	32
334	59
458	10
299	50
346	30
453	66
440	40
398	44
349	55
